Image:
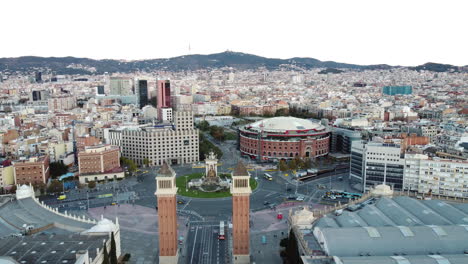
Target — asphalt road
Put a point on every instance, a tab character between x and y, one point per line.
203	245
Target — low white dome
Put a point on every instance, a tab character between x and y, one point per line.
382	190
103	226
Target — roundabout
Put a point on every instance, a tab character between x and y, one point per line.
182	183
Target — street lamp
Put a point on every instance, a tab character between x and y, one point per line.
186	187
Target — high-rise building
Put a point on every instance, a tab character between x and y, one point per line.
374	163
39	95
142	92
100	90
341	139
164	94
38	77
166	191
240	190
394	90
121	86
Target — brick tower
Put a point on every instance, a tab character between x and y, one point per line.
240	190
166	191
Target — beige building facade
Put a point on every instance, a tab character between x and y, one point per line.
177	142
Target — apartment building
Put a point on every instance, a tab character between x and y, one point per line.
61	103
100	162
33	170
374	163
176	143
6	176
436	176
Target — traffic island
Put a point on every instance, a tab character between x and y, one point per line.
182	184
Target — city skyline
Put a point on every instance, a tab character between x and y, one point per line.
395	33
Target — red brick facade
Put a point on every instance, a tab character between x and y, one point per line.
240	224
167	221
32	171
306	147
99	161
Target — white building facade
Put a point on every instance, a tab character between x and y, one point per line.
436	176
374	163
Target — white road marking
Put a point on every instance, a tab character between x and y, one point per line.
194	243
183	208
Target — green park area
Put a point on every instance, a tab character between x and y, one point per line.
183	181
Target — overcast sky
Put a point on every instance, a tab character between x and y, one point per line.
396	32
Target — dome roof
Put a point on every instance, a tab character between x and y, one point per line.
283	123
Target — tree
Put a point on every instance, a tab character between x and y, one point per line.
204	125
282	112
105	259
299	163
113	250
217	132
282	166
292	164
307	163
146	162
205	146
40	186
91	184
55	187
132	167
57	169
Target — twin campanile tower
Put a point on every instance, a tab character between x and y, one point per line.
240	190
166	194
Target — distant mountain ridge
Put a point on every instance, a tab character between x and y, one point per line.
238	60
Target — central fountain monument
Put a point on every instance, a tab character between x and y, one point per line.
211	170
210	182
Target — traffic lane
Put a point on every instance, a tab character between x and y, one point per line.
203	245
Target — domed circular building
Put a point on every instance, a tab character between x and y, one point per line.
283	138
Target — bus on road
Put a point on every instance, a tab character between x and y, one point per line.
268	176
221	231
